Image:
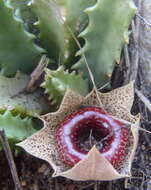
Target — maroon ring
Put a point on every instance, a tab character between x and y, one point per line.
108	134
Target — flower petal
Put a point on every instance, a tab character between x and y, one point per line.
93	167
42	145
70	102
119	101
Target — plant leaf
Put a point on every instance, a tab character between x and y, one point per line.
17	50
108	22
75	16
58	81
16	128
25	13
12	96
50	26
77	20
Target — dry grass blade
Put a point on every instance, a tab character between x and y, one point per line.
89	70
143	99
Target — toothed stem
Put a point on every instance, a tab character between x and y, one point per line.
20	43
57	82
104	37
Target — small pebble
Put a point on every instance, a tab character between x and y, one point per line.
23	183
143	147
42	168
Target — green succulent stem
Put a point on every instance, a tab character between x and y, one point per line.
13	96
16	127
50	26
17	48
104	37
56	83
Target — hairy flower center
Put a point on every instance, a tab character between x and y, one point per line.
91	133
87	127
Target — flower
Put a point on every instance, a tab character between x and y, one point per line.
94	166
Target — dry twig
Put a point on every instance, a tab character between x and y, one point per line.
110	185
36	74
10	160
146	23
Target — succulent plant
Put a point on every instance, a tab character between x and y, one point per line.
16	126
75	36
104	37
12	96
56	83
17	50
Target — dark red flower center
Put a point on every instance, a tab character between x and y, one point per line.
87	127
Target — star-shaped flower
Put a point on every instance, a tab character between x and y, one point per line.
94	166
